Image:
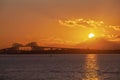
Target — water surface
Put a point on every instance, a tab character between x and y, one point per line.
60	67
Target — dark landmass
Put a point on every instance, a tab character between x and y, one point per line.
59	51
34	48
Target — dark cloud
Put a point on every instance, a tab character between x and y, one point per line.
99	43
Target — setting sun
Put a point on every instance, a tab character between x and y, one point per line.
91	35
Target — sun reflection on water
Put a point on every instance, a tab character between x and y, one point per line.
91	68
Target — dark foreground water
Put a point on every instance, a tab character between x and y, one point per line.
60	67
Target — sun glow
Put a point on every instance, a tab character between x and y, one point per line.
91	35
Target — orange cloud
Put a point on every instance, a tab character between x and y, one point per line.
82	23
108	31
88	23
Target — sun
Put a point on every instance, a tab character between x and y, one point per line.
91	35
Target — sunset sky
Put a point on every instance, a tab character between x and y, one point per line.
65	23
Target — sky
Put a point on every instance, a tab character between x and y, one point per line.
65	23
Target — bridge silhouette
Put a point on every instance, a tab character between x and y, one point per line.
33	46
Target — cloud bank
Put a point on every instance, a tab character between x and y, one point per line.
108	31
88	23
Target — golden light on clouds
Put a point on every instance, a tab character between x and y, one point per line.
83	23
89	25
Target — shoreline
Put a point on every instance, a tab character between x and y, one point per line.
63	52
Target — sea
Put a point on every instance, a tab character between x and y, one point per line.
60	67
